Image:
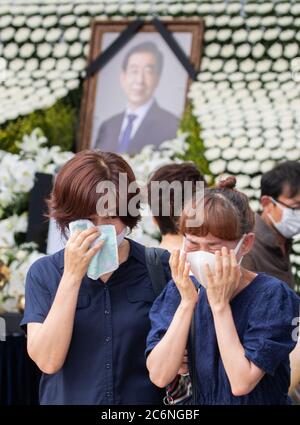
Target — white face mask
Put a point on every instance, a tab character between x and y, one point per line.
289	225
198	259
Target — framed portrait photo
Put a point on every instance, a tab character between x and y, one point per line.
139	96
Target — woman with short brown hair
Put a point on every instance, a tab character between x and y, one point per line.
88	336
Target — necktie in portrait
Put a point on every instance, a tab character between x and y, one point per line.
126	136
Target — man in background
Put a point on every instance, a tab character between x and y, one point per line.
143	122
278	223
274	230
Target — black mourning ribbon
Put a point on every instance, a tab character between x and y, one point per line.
127	34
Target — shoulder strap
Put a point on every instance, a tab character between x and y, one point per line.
156	269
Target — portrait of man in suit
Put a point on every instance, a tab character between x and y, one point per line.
144	121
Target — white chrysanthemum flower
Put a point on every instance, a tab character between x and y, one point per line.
216	65
79	64
85	34
255	36
55	84
67	20
235	166
50	21
263	66
210	35
72	84
217	167
287	35
44	50
275	51
60	93
253	21
232	8
63	64
31	64
53	35
213	154
83	21
10	51
223	20
223	35
110	9
189	8
212	50
5	20
258	50
227	51
143	7
229	154
291	50
160	8
15	65
71	34
230	66
60	50
7	34
48	64
127	8
174	9
38	35
242	181
26	51
240	36
280	65
75	49
267	165
247	65
34	21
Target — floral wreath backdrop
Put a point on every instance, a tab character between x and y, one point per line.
246	99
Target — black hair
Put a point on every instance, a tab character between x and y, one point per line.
284	177
146	46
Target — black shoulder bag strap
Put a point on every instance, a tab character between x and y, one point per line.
155	269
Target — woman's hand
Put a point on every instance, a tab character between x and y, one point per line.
78	252
180	273
224	282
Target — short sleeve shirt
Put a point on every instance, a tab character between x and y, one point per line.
105	363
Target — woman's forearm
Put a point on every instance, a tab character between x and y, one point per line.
48	343
243	375
295	367
165	359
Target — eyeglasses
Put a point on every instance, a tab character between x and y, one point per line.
287	206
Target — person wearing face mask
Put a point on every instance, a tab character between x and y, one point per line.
275	228
87	335
243	330
278	222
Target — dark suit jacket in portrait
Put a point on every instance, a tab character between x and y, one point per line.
157	126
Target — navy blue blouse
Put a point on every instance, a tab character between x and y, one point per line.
263	313
105	363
